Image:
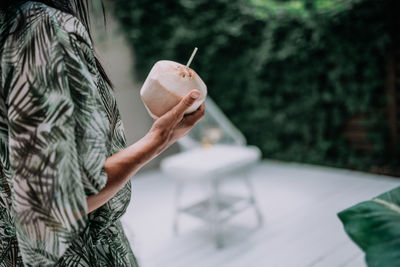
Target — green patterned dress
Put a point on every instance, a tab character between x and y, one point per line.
59	122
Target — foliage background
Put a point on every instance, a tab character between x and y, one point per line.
290	74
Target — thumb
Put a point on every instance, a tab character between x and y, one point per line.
187	101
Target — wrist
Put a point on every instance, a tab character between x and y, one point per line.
155	140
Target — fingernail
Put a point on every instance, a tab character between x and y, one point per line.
195	95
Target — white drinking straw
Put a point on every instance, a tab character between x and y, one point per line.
191	57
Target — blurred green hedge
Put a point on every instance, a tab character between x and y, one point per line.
289	74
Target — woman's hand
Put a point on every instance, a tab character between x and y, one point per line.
175	124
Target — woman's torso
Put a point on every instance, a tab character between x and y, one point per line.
103	243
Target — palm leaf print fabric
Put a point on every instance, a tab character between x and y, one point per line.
59	122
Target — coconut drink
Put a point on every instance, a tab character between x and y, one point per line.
167	83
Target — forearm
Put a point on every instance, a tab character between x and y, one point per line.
122	165
164	132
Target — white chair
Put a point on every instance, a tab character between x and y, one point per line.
213	152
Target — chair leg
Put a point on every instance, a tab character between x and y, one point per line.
252	199
214	211
178	193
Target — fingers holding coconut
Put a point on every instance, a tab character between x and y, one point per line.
194	117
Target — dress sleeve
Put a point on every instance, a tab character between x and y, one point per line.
49	103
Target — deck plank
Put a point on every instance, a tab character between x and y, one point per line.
301	228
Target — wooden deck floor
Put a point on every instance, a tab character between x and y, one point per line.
299	204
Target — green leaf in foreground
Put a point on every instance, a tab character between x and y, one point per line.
374	225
